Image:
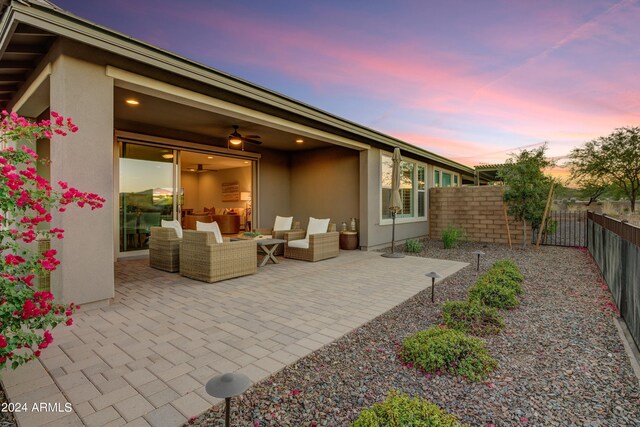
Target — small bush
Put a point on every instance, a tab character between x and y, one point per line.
451	236
471	317
508	268
400	410
497	277
447	350
413	246
492	294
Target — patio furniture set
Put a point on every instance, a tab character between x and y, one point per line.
204	254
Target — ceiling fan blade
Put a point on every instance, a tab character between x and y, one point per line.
253	136
253	141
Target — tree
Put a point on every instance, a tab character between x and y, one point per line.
611	160
527	188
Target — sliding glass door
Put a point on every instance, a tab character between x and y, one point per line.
147	193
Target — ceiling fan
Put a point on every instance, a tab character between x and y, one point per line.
199	168
235	138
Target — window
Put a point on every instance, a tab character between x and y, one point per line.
445	179
422	187
412	188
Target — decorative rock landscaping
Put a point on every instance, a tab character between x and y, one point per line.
561	361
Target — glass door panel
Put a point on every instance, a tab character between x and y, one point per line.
147	192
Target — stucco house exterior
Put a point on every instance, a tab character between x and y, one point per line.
142	109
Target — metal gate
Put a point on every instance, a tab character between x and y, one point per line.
563	228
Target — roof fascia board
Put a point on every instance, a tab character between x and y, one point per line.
89	33
135	82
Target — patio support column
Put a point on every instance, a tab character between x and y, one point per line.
83	91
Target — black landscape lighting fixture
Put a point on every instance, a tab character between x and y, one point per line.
227	386
479	253
433	276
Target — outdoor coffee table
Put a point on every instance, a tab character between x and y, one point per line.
268	246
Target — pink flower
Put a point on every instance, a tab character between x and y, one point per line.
69	322
3	341
295	392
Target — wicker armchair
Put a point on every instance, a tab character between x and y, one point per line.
201	258
164	249
321	246
279	234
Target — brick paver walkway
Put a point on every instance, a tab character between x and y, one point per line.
144	359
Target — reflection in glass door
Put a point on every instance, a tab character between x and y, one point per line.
147	192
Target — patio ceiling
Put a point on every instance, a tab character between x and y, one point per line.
160	117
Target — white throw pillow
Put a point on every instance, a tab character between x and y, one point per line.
317	226
211	227
283	223
172	224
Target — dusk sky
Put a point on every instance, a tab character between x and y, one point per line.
472	80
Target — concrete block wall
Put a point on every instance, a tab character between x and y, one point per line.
477	210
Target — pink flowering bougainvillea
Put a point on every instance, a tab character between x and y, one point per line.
26	201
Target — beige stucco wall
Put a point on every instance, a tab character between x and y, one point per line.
85	159
189	183
377	235
273	188
325	184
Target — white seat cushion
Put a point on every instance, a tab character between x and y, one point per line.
300	244
211	227
283	223
172	224
317	226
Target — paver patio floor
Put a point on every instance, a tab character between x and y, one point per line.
144	359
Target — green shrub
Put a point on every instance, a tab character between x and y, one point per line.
497	277
492	294
508	268
400	410
471	317
447	350
451	236
413	246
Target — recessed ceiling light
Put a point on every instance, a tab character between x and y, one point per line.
132	101
299	141
167	156
192	170
209	157
246	162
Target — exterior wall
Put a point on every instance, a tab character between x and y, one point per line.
82	91
325	184
274	198
376	235
477	210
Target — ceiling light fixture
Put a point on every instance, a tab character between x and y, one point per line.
167	156
132	101
299	141
209	157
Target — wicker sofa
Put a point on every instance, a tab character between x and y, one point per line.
321	246
164	249
201	258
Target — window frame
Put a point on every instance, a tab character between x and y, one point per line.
414	193
456	179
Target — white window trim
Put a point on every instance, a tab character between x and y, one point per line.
440	171
414	217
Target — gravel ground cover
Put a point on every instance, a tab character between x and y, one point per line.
6	418
561	359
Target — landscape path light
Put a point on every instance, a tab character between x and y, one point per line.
227	386
433	276
479	253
